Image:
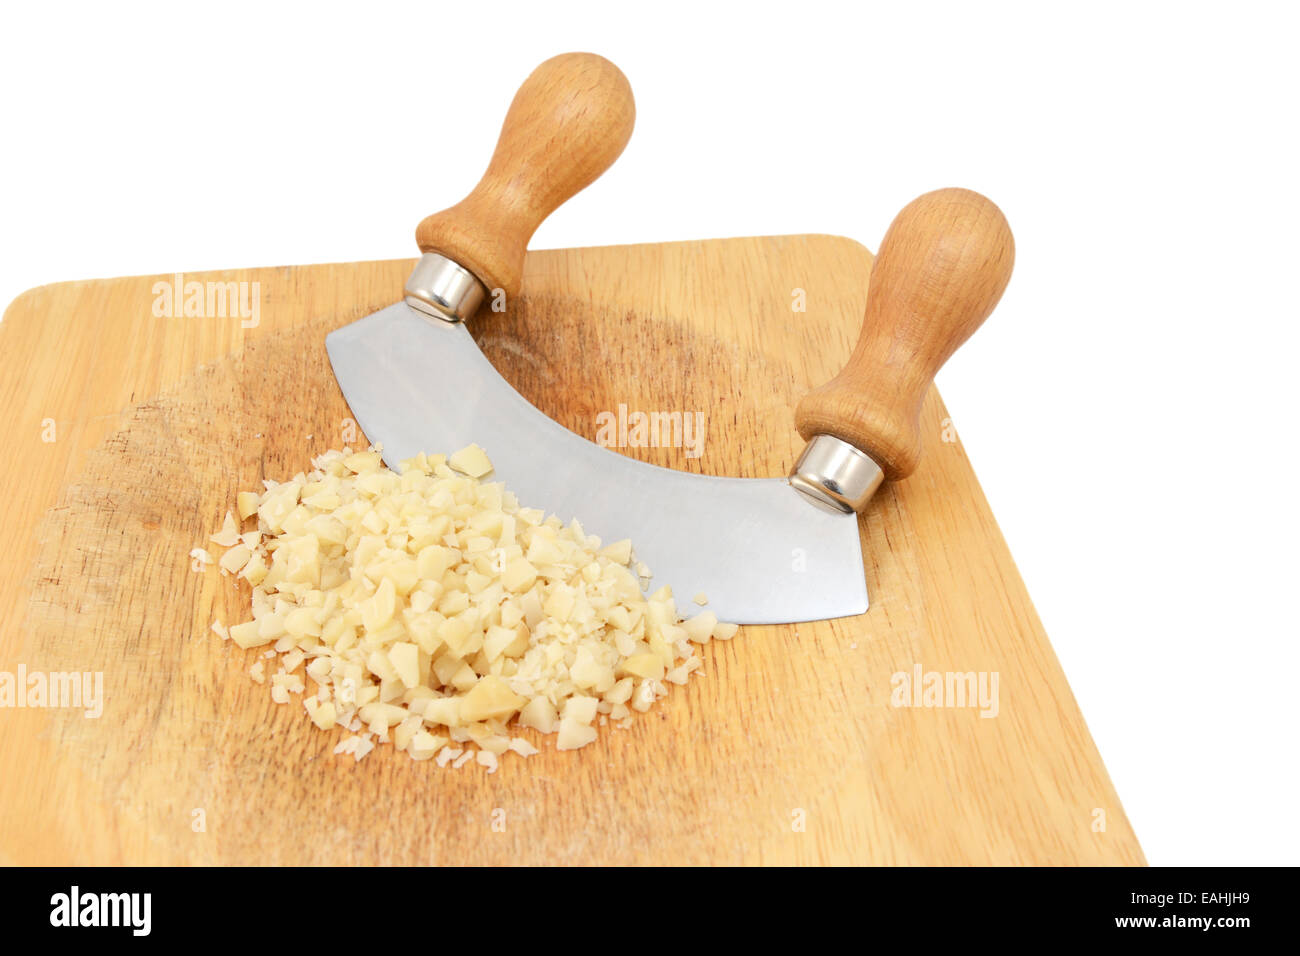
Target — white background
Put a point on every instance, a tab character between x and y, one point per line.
1130	408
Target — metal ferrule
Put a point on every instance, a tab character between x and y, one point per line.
835	476
443	290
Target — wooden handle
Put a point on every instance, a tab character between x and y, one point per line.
941	269
567	124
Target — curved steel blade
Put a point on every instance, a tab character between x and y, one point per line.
757	549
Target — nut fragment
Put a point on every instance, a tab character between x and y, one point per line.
246	504
228	534
574	734
472	461
235	559
701	627
489	699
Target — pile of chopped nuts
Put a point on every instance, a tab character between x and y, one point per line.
432	612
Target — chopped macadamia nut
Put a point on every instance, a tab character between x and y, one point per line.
701	627
282	685
489	699
246	502
323	715
235	559
405	660
229	533
581	709
644	665
435	614
248	635
725	632
472	461
424	745
620	552
522	747
539	713
574	734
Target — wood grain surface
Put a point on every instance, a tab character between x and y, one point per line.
129	435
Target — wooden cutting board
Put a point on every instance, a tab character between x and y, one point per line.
129	435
